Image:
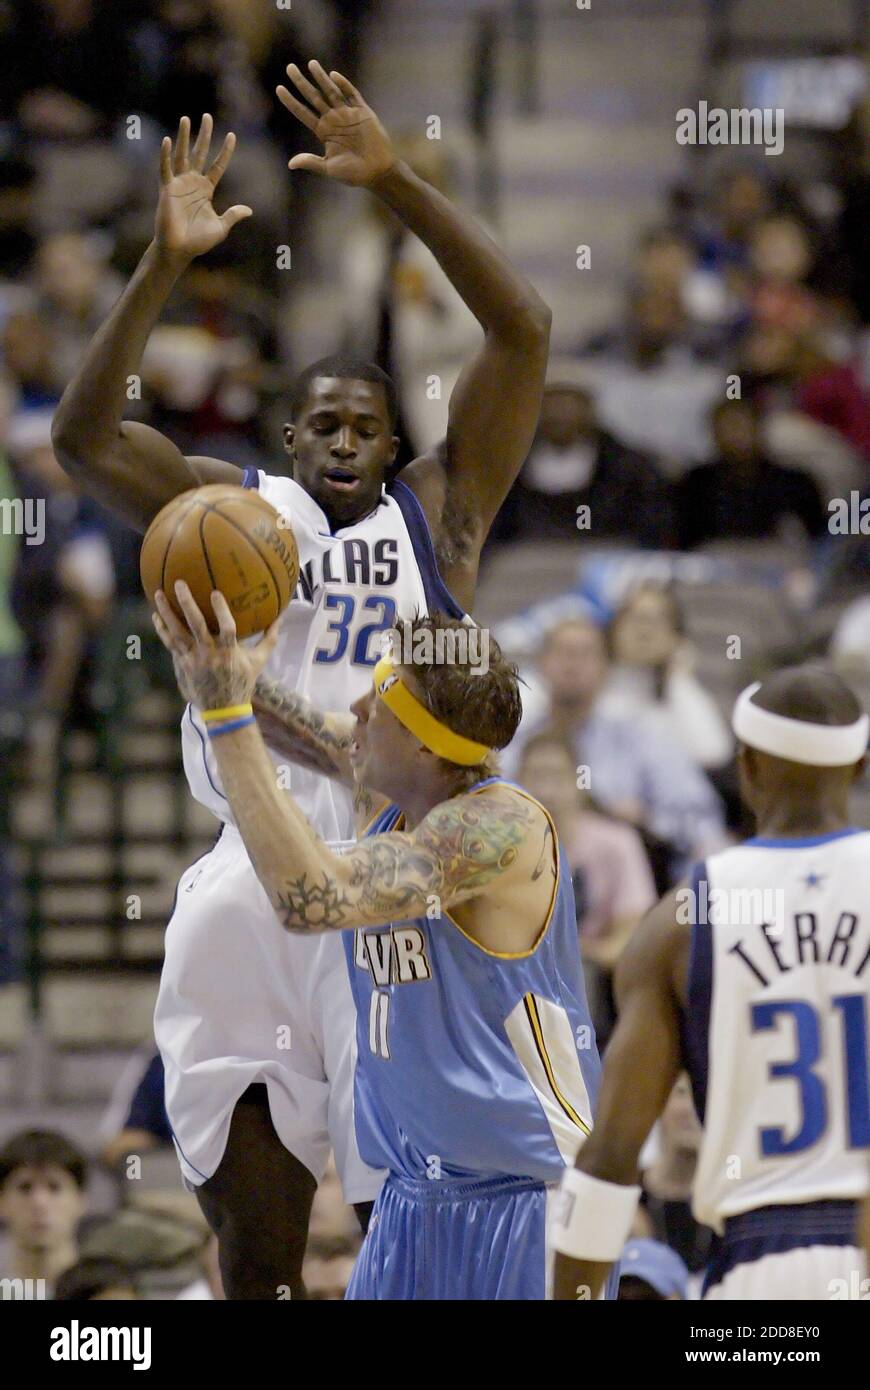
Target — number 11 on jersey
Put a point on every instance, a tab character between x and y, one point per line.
379	1011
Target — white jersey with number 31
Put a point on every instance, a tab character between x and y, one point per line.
777	1023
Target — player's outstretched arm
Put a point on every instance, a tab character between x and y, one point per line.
642	1063
496	402
130	467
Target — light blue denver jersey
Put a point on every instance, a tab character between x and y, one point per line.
471	1063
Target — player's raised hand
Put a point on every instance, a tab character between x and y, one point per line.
187	224
356	147
212	670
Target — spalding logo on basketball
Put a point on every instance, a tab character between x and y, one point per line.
227	538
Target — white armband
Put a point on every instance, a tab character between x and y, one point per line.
592	1218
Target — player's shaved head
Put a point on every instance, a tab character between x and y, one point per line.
811	693
793	797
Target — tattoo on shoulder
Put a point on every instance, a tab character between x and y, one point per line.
460	848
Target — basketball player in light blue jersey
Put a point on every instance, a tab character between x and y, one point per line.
477	1069
755	978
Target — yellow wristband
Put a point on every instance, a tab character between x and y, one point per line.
228	712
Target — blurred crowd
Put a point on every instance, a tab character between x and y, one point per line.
727	404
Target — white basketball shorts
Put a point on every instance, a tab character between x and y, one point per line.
243	1001
802	1250
813	1273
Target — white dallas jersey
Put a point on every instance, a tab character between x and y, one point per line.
354	585
776	1023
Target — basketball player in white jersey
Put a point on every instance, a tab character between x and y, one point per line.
755	978
256	1028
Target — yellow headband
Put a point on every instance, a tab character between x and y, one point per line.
434	735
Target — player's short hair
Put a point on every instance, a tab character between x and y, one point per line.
811	692
39	1148
481	705
350	368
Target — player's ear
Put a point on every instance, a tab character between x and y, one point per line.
289	433
394	449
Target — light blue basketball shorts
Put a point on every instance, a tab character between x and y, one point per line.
454	1240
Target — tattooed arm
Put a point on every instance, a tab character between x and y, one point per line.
461	847
304	734
455	853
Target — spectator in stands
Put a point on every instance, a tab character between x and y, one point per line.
741	494
781	257
205	371
830	392
650	1271
786	368
42	1187
75	290
62	591
668	1175
28	350
655	333
653	671
652	388
724	230
666	262
328	1266
95	1281
575	464
68	66
613	882
635	772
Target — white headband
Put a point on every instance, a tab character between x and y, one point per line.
797	740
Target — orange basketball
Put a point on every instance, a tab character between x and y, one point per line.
227	538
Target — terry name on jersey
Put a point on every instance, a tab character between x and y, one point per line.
392	956
804	940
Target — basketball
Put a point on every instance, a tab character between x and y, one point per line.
226	538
